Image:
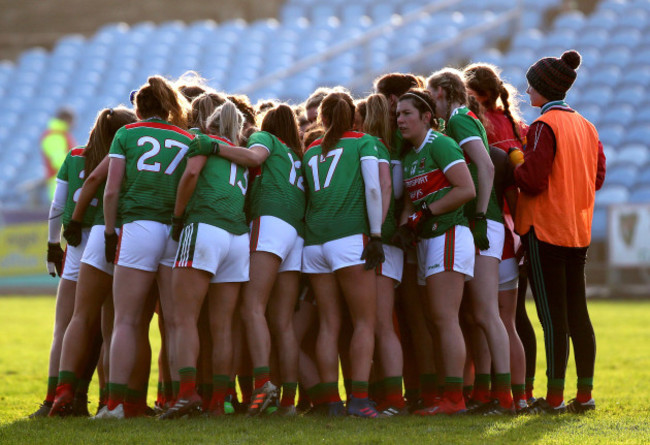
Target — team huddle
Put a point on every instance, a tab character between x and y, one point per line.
280	245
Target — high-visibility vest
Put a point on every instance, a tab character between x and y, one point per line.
55	144
562	214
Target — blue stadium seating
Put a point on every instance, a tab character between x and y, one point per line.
89	74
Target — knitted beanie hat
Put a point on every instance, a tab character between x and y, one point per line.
552	77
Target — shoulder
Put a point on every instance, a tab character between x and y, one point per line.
262	138
314	144
356	135
77	152
157	125
220	139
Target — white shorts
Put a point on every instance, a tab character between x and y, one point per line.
95	252
393	267
333	255
452	251
214	250
72	259
145	245
496	235
273	235
508	270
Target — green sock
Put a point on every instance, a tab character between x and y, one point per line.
454	388
67	377
315	394
359	389
52	383
261	375
117	392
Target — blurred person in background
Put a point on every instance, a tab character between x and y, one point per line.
56	142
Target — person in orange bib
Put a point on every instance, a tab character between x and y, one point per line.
563	167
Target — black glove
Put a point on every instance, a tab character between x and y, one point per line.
479	231
110	248
373	253
54	259
72	233
177	227
418	218
404	237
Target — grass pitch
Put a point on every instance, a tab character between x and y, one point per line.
622	393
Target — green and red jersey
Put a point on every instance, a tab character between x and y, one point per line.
464	126
424	179
154	151
72	172
389	227
277	186
220	194
336	201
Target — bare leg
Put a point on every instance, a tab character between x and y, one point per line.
280	310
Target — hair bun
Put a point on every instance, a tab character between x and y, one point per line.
572	59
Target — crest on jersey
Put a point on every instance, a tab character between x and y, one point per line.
422	161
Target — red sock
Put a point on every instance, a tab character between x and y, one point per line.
555	397
188	383
262	375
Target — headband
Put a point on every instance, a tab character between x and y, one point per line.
424	101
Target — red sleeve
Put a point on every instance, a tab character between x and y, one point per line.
602	166
532	176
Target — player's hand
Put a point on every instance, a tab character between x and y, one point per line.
110	248
72	233
54	259
177	227
373	253
203	145
404	237
479	231
417	219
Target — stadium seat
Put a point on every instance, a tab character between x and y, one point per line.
621	114
611	134
624	175
608	75
614	194
638	134
382	12
641	194
633	95
625	37
530	39
599	224
643	178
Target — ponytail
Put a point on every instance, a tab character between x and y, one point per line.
504	95
377	118
337	111
159	98
108	121
202	107
281	122
484	80
226	121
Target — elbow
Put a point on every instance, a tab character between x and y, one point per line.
469	193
